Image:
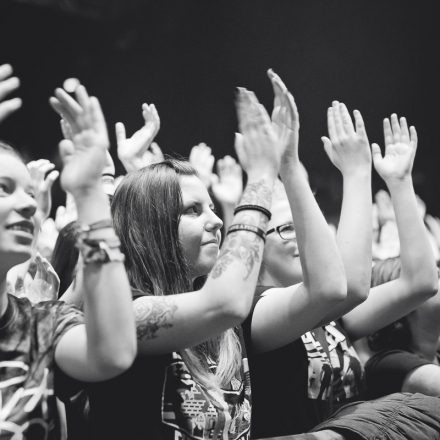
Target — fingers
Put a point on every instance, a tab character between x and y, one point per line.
359	123
121	135
328	147
396	128
67	149
8	107
346	119
7	86
239	147
387	132
66	129
5	71
340	132
376	154
331	125
413	136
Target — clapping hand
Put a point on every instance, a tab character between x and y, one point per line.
347	146
139	150
285	118
7	85
202	160
400	150
84	152
43	176
227	185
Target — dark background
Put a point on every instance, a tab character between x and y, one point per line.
187	56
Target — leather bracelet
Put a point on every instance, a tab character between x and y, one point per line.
250	228
253	208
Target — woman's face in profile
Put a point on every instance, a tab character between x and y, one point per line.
199	226
17	209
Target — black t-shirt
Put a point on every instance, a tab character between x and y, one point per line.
28	337
297	386
157	398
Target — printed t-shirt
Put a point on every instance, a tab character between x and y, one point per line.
28	337
297	386
157	398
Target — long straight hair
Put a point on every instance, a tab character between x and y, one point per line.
146	210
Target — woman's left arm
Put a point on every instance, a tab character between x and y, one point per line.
418	277
106	345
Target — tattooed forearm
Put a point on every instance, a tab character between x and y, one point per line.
153	314
257	193
238	248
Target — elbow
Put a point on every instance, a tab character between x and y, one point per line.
332	292
358	292
425	286
111	365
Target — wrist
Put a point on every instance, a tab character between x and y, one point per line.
396	183
262	174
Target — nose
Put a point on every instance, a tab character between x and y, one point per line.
26	205
214	223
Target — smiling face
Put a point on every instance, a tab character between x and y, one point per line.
281	264
17	207
199	227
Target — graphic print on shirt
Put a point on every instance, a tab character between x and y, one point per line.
188	409
340	375
26	402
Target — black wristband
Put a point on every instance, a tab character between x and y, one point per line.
253	208
250	228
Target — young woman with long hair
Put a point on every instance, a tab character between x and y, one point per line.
43	344
190	379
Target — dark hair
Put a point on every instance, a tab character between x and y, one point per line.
146	210
65	256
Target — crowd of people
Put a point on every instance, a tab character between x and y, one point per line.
176	302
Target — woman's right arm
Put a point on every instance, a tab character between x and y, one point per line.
174	322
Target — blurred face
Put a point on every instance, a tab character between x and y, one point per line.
199	227
281	264
17	208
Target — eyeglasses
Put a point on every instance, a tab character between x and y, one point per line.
286	231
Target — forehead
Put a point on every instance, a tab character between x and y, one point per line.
281	213
193	189
13	168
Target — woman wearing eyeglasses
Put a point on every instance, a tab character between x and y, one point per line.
298	385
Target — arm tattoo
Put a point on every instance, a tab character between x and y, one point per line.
238	248
257	193
151	316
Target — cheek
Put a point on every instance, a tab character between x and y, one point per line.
189	237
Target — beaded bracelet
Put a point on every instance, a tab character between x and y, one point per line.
242	227
253	208
100	251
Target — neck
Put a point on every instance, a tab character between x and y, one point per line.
265	278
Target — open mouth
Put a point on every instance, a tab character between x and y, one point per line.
23	226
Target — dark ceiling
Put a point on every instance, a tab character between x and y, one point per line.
187	56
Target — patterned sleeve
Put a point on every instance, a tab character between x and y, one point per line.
65	317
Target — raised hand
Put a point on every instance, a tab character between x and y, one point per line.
347	145
285	116
227	185
202	159
43	176
139	151
84	154
260	146
7	85
400	150
66	214
385	210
